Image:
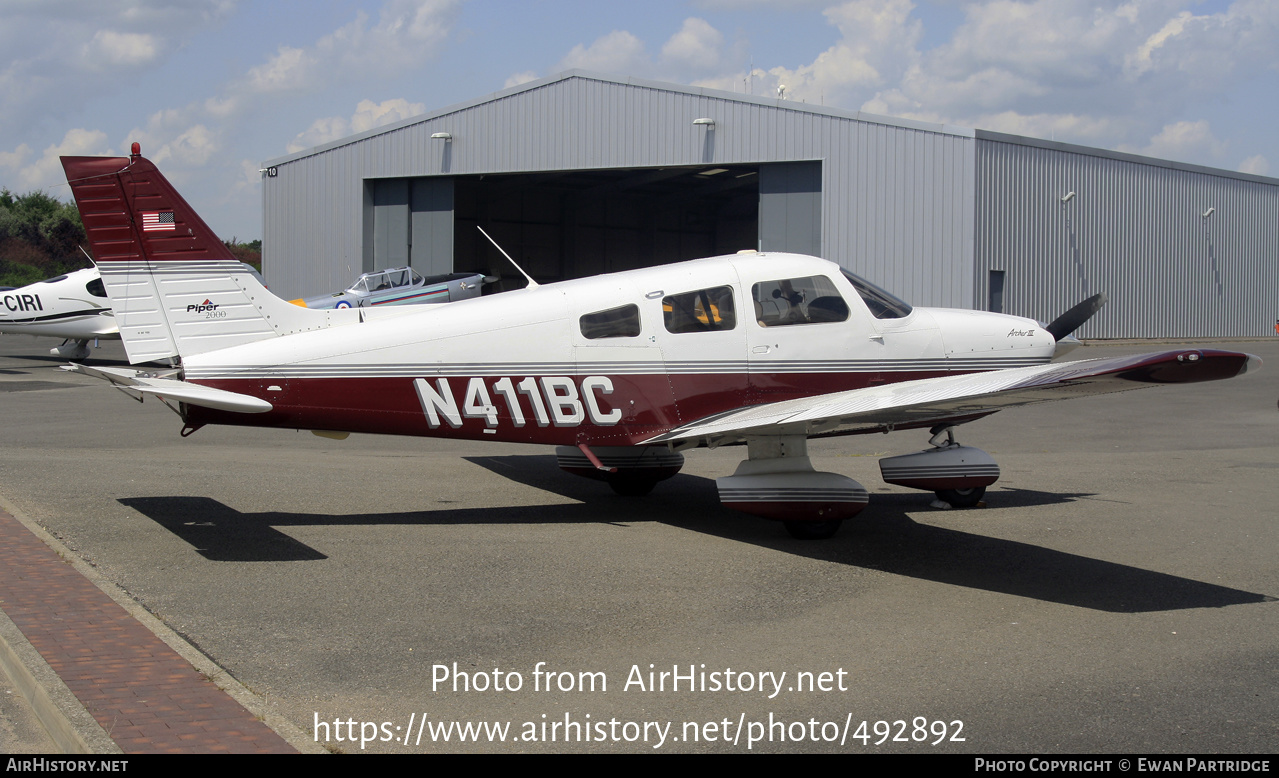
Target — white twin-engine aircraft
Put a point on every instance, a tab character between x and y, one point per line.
622	372
72	306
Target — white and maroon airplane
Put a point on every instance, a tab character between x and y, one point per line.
622	372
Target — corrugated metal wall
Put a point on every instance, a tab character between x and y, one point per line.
897	203
1135	230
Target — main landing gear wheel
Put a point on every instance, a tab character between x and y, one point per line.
813	530
962	498
630	486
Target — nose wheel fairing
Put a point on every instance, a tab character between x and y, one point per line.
937	469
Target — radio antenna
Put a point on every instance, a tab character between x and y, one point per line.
531	283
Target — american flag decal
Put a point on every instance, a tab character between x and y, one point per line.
157	221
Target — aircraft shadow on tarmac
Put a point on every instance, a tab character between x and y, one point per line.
884	538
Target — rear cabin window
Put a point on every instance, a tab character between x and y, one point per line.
706	310
623	322
94	288
787	301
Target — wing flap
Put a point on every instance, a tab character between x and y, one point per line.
962	397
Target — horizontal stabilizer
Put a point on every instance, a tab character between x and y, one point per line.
139	382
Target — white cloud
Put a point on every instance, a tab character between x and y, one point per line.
407	33
250	174
368	115
1185	140
695	51
1256	164
697	46
46	172
320	132
1080	129
191	148
56	55
1117	75
516	79
122	48
877	45
617	52
13	160
290	68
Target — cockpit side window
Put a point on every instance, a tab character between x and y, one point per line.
95	288
882	304
623	322
810	300
705	310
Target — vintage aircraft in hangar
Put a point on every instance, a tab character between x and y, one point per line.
622	372
74	307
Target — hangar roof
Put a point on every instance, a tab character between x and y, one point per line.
770	102
779	104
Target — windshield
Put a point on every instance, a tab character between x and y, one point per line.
882	304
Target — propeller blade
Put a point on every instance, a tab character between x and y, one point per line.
1073	319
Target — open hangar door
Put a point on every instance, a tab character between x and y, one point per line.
571	224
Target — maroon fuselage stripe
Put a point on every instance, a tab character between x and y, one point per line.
650	404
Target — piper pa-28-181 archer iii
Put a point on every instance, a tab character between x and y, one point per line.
72	306
622	372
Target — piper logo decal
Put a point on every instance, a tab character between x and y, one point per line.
207	309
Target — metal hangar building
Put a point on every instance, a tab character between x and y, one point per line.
582	173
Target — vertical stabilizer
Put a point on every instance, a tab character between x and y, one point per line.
175	287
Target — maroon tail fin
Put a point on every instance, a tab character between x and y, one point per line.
175	288
131	212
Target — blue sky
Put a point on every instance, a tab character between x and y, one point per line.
212	88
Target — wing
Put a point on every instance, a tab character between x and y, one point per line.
959	398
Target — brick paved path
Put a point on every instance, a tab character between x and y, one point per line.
147	697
